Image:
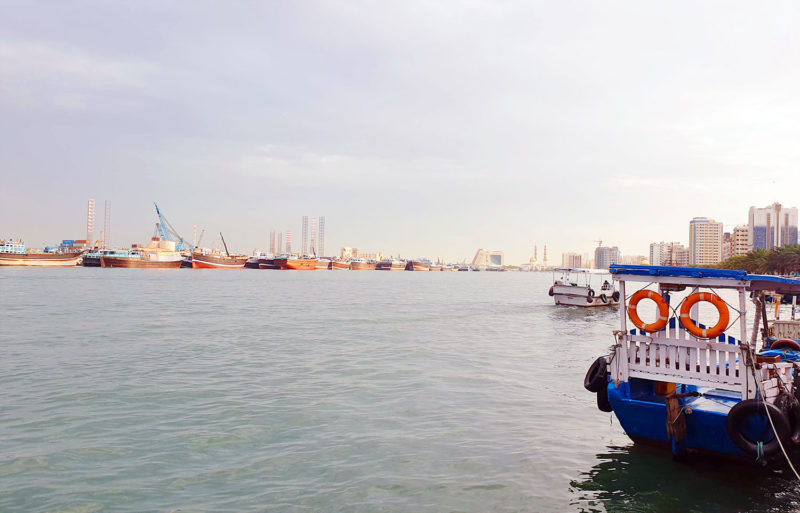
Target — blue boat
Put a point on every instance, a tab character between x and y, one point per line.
730	390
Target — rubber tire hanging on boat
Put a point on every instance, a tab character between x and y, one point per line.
589	299
597	375
615	296
791	407
550	292
603	298
737	418
591	293
603	403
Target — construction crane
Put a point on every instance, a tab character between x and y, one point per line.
167	232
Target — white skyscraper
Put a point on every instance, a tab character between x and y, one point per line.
705	241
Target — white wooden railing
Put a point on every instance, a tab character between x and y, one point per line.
683	359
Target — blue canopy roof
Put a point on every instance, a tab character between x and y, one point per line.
756	281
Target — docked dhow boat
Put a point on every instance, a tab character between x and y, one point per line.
573	287
418	265
340	265
294	263
362	264
216	259
14	253
391	264
158	254
730	390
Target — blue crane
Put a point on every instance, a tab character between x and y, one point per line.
167	232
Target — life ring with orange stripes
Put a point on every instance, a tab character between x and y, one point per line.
663	310
694	329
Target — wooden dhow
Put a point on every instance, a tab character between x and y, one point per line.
14	253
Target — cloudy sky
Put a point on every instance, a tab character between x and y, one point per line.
420	128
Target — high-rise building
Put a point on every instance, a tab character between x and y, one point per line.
572	260
272	242
668	253
90	221
312	247
289	242
740	241
604	256
705	241
771	226
727	246
321	239
304	235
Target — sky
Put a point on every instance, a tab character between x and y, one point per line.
418	128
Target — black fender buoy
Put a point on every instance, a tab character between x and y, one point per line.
615	296
589	299
737	418
603	403
603	298
791	408
550	292
591	293
785	343
597	375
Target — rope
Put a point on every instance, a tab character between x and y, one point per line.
750	365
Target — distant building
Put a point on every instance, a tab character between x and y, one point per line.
633	259
679	255
573	260
605	256
740	241
771	226
669	253
280	244
348	252
321	237
727	245
488	258
272	242
289	242
304	236
705	241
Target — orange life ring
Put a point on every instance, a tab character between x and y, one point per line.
663	310
719	304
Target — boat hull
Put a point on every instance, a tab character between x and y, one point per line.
299	264
267	263
362	266
139	263
218	262
340	266
40	259
567	295
417	266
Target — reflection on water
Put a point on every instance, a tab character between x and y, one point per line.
637	478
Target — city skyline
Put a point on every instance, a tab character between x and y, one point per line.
413	136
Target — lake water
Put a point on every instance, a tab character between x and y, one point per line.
133	390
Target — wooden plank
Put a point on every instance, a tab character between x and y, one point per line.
702	355
712	362
688	380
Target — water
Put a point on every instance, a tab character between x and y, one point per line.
132	390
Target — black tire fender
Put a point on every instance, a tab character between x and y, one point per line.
603	403
615	296
591	293
597	375
603	298
737	418
550	292
791	408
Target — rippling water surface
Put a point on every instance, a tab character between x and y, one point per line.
209	391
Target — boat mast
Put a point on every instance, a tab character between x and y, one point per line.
223	243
